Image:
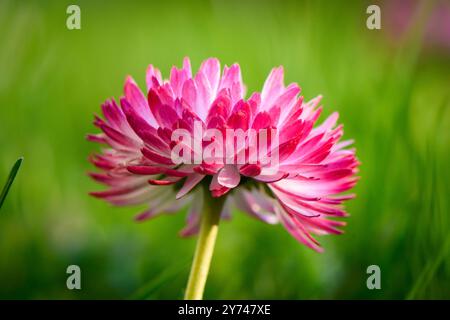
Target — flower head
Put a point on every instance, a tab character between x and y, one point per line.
263	152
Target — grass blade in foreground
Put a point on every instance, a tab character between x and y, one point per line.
10	180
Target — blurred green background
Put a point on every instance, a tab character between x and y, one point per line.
392	95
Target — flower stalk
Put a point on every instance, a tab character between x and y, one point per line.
204	250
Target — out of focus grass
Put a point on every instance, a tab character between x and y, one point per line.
10	180
392	97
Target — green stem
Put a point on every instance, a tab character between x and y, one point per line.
205	246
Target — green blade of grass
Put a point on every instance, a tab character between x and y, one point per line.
428	272
11	177
145	292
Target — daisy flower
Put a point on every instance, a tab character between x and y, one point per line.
198	141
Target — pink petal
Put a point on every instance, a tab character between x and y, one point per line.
191	181
152	73
137	100
273	87
250	170
211	69
229	176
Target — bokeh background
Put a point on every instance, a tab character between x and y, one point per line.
390	86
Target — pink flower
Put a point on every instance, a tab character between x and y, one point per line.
302	189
